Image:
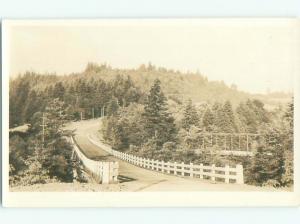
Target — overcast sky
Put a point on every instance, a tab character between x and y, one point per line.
255	55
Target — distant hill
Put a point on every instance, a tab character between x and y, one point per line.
176	85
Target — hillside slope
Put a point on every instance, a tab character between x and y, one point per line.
175	84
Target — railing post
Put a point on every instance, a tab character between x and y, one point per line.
240	174
227	174
116	167
168	167
105	173
182	169
213	178
201	171
191	170
162	166
175	168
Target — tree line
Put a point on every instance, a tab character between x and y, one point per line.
150	130
144	122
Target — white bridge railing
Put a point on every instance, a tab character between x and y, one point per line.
226	174
102	172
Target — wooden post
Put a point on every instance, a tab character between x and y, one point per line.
105	173
182	169
169	167
43	126
239	142
175	168
227	174
240	174
116	174
162	166
213	178
230	142
201	171
191	170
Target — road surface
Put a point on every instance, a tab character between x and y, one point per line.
133	178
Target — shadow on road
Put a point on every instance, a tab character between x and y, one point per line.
124	179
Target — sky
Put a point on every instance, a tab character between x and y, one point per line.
256	55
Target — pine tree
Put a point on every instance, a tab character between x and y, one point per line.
55	150
158	121
217	111
208	120
288	145
59	91
33	104
19	92
190	116
268	163
227	120
112	107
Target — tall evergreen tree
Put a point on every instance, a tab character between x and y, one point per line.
227	120
208	120
18	95
190	116
112	107
268	162
158	121
217	111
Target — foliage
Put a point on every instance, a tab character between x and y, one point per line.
190	116
145	116
158	122
44	154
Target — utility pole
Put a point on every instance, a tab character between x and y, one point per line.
43	126
102	111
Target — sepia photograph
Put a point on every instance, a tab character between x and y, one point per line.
129	108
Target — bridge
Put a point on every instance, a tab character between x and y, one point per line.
142	174
242	144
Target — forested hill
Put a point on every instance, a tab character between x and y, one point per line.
98	83
175	84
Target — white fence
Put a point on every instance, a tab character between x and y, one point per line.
192	170
102	172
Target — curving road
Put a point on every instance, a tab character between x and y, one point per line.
133	178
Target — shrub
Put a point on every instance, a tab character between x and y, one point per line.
271	183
